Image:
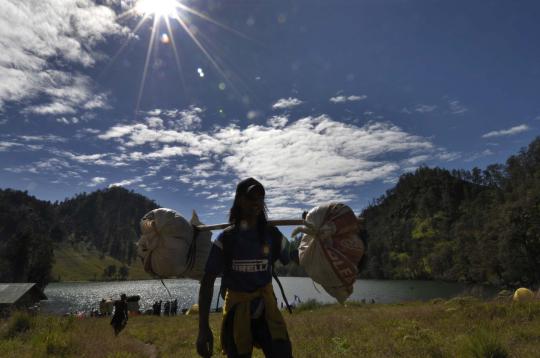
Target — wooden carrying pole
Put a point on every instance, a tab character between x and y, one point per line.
272	222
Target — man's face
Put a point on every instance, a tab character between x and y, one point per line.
252	204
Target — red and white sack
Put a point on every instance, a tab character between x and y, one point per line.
167	245
331	249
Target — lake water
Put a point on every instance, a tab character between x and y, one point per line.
73	297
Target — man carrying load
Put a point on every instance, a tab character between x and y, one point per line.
244	255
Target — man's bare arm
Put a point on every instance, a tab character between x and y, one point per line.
205	299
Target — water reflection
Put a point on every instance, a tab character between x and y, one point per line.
73	297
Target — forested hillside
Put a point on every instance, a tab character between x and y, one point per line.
106	221
478	226
28	227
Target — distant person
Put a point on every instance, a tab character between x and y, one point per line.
109	305
174	307
120	317
102	307
167	308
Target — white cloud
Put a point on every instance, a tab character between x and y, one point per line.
447	156
66	120
5	145
119	131
95	181
342	99
128	182
484	153
305	162
416	160
185	119
507	132
42	138
278	121
67	94
424	108
87	158
285	103
39	38
154	122
189	118
420	108
56	166
456	107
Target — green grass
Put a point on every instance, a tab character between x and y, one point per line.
456	328
78	263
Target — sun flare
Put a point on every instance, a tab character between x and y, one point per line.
161	8
174	14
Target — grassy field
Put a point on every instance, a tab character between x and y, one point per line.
462	327
78	263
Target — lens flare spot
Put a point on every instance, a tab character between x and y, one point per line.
165	39
222	86
200	72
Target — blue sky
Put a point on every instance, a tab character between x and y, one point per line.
319	100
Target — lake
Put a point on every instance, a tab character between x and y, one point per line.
85	296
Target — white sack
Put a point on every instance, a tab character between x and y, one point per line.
330	249
165	243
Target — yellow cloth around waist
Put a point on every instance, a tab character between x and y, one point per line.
242	317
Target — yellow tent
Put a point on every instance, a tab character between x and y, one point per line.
523	294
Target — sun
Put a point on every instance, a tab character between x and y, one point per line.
159	8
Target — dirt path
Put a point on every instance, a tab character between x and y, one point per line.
151	350
148	349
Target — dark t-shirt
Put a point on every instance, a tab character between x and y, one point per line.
251	260
120	311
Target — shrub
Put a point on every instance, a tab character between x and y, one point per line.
483	344
309	305
56	344
341	345
19	323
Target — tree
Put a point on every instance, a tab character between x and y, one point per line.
109	271
123	272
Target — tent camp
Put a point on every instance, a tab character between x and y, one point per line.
19	296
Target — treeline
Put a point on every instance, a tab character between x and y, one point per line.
107	220
478	226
